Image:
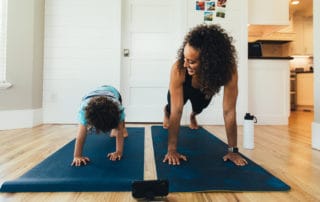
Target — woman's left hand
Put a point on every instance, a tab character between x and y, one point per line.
235	158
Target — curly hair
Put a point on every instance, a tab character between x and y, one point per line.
102	113
217	56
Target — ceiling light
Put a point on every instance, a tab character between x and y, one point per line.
295	2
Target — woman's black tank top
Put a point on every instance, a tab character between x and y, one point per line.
189	90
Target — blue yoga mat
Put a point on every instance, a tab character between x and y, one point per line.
55	174
205	169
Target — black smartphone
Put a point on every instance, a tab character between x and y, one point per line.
150	189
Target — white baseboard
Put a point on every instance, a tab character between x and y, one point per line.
216	118
272	119
13	119
315	135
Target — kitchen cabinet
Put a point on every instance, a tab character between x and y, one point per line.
304	89
275	48
308	37
303	41
271	12
266	18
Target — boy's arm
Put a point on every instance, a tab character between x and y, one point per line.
78	159
119	138
119	143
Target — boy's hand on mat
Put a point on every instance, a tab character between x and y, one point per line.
235	158
78	161
115	156
173	158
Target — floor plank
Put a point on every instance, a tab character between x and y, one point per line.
285	151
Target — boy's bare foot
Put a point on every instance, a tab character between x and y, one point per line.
193	121
165	119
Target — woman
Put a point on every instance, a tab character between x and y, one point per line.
206	62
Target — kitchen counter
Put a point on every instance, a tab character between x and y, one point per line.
268	90
271	58
304	72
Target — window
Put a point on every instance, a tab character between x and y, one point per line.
3	39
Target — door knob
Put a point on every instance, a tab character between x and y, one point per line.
126	52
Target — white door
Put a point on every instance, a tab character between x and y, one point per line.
152	34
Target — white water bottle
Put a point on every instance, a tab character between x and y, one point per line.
248	131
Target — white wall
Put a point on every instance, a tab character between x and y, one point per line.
278	8
82	51
316	66
21	104
235	23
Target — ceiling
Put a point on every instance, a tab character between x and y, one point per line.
304	8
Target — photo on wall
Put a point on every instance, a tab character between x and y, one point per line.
220	13
221	3
208	16
221	8
200	5
210	6
211	9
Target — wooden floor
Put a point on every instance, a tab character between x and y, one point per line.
285	151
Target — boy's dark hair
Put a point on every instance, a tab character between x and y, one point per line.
102	113
217	56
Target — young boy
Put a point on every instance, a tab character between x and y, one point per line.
102	110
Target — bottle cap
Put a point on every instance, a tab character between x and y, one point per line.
248	116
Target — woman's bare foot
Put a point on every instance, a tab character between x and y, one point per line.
193	121
114	133
165	119
125	132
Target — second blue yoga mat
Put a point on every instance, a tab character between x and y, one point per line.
55	174
205	169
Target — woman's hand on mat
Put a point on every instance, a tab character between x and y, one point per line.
115	156
235	158
173	158
78	161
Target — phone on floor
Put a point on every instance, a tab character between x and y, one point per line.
150	189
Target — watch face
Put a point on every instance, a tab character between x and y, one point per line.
233	149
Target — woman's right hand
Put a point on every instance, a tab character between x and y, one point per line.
78	161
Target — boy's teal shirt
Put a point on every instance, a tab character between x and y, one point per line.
109	91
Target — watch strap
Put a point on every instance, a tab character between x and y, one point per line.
233	149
